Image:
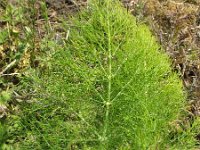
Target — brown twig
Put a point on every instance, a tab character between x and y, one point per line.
8	67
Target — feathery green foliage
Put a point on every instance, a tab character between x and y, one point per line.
110	87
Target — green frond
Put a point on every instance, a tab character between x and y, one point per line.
110	87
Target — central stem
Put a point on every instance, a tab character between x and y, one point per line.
108	101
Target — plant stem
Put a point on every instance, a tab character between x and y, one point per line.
108	102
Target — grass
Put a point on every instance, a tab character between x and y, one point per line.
108	85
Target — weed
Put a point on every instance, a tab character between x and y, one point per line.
109	88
